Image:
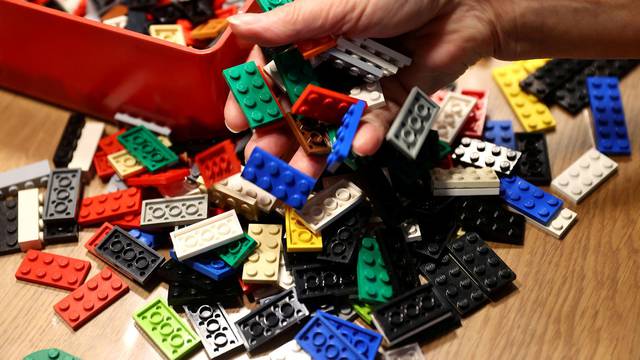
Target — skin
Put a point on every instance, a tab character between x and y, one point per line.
443	37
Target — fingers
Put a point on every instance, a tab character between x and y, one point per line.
276	140
309	164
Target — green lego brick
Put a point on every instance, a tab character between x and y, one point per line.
238	251
145	146
296	73
50	354
166	329
374	284
268	5
364	311
252	94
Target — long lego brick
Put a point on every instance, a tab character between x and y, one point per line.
60	233
374	284
324	281
124	164
295	71
485	154
312	47
92	298
350	48
29	221
127	222
263	264
474	125
110	144
355	65
87	145
371	93
226	197
320	340
110	206
218	334
132	258
278	178
208	265
341	147
489	219
384	52
609	125
328	205
180	210
49	354
399	262
529	199
206	235
500	132
322	104
53	270
218	163
159	179
24	177
311	135
134	121
9	227
299	237
97	237
454	111
145	146
585	175
63	196
464	178
365	341
546	79
534	165
69	140
341	238
264	200
183	292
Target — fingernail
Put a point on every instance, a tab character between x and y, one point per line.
230	129
244	19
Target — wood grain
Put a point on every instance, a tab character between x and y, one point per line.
577	298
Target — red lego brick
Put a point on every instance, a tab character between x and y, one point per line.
314	47
218	163
110	206
226	12
110	144
92	298
128	222
53	270
322	104
97	236
186	29
158	179
103	168
474	124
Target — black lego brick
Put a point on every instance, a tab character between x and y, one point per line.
323	281
487	217
551	76
63	198
400	263
172	271
437	226
61	233
69	140
534	165
9	226
137	21
293	259
341	238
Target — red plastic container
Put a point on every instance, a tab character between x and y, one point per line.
100	70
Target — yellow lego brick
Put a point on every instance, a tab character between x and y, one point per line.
532	65
172	33
299	237
263	265
125	164
165	141
532	114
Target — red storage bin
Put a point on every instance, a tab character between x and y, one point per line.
100	70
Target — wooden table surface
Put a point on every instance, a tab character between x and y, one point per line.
576	298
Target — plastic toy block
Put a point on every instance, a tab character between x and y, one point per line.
488	218
97	237
209	30
352	49
134	121
132	258
500	132
110	206
532	114
312	47
168	177
50	354
166	330
474	125
206	235
272	72
24	177
399	262
177	274
90	299
411	126
278	178
411	231
328	205
324	281
263	265
299	237
408	352
384	52
355	66
225	197
546	79
364	311
60	233
311	136
208	265
365	341
296	72
252	94
289	351
270	320
534	165
117	21
236	252
529	199
146	238
147	149
235	183
454	110
87	144
585	175
29	220
341	147
102	166
482	181
180	210
124	164
341	238
68	141
323	342
560	225
53	270
127	222
532	65
268	5
374	284
285	278
485	154
218	163
481	263
171	33
608	116
218	334
371	93
9	227
322	104
110	144
411	313
63	196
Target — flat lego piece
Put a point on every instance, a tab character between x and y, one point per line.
180	210
62	201
104	170
328	205
341	238
60	233
68	141
268	5
169	32
110	144
322	104
132	258
411	126
272	72
9	226
236	252
454	111
110	206
399	262
218	162
365	312
58	271
408	352
209	30
493	222
374	284
322	341
174	272
164	178
500	132
534	165
365	341
585	175
24	177
324	281
607	111
485	154
371	93
355	66
299	237
90	299
147	149
313	47
206	235
474	125
295	71
208	265
166	330
384	52
352	49
528	199
87	144
278	178
124	164
464	178
97	237
270	320
341	147
143	237
560	225
224	197
218	334
263	265
134	121
546	79
50	354
285	278
411	230
532	65
29	221
311	136
127	222
238	185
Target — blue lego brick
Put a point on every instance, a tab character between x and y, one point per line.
341	148
529	199
609	124
145	238
365	341
500	132
320	340
207	265
278	178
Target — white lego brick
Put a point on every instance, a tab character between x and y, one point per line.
181	210
453	112
386	53
87	145
354	65
206	235
467	192
352	49
24	177
285	279
371	93
134	121
329	204
29	221
583	176
559	226
407	352
271	70
289	351
265	201
411	231
118	21
464	178
485	154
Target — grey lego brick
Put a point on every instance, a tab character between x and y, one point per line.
25	177
219	335
134	121
355	66
60	233
181	210
63	198
485	154
386	53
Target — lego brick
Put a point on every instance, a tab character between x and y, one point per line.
400	263
532	114
110	206
371	93
411	230
278	178
341	147
90	299
330	204
311	136
585	175
289	351
217	333
147	149
124	164
285	278
225	197
104	170
607	111
60	233
411	126
365	312
464	178
29	219
299	237
412	351
485	154
97	237
117	21
546	79
268	321
63	196
354	65
166	330
489	219
164	178
365	341
322	104
127	222
209	30
236	252
132	258
146	238
268	5
296	72
180	210
350	48
560	225
68	141
500	132
534	165
87	144
206	235
374	284
322	341
384	52
341	238
252	94
532	65
454	110
313	47
324	281
263	265
218	163
171	33
9	226
134	121
24	177
110	144
264	201
50	354
272	71
528	199
178	274
474	125
48	269
208	265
